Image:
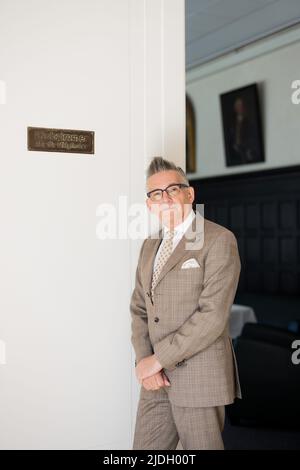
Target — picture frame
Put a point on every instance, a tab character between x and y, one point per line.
241	122
190	136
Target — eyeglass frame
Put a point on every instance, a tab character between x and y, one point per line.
181	185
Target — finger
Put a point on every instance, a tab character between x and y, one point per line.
154	383
159	380
166	380
145	384
149	382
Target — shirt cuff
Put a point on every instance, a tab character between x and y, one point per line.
163	352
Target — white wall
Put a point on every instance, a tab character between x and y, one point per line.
64	294
158	100
273	64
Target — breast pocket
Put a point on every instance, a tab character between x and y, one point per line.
179	294
188	276
184	285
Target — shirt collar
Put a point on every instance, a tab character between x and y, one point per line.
181	228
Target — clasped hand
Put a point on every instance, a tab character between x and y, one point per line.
150	374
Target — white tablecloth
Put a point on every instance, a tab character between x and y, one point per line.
239	315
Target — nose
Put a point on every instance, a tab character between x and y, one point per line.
166	197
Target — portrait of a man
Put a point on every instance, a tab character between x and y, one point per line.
242	131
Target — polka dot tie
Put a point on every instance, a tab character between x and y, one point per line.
165	252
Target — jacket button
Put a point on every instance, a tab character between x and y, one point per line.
180	363
156	319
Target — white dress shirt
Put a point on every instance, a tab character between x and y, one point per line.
180	229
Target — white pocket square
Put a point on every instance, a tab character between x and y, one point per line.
190	263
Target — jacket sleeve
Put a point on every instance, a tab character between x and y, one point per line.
139	319
221	275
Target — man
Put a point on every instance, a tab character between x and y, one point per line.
185	284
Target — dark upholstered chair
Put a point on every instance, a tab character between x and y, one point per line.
270	382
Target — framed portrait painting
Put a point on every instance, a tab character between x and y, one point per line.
241	122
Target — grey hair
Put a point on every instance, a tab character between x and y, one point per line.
158	164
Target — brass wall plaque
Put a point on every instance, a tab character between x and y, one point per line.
43	139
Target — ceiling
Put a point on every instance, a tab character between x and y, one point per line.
214	27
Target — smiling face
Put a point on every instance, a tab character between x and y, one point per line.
171	211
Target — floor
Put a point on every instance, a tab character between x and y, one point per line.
244	437
251	438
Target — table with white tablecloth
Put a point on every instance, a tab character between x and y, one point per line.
239	315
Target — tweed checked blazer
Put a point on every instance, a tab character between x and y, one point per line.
186	323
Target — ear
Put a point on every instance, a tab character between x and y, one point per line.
191	194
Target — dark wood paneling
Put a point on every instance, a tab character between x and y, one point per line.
262	208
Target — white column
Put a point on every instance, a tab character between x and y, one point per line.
158	78
157	45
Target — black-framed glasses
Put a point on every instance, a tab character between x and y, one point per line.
172	190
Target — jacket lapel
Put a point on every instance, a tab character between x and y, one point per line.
150	251
193	235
